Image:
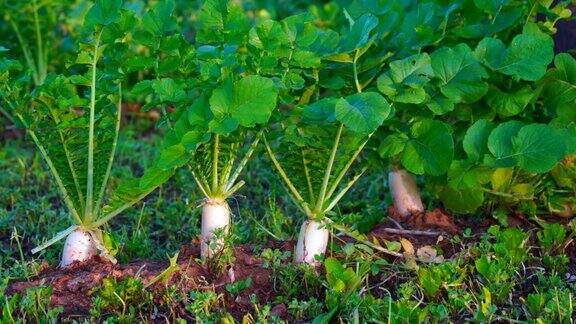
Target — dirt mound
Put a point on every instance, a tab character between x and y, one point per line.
436	219
73	286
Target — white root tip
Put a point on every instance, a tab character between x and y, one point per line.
79	247
405	193
215	215
312	242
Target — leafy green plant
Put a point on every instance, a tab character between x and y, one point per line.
126	299
439	278
555	305
238	286
499	260
216	126
446	78
203	304
33	306
74	121
30	22
320	141
305	309
552	239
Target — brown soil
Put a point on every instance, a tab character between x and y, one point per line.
73	286
436	219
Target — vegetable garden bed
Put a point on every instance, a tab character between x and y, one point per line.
304	161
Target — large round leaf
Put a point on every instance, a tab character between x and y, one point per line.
362	112
538	147
460	74
500	143
476	138
509	104
246	102
431	148
321	111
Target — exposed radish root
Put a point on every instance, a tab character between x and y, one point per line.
405	193
312	241
79	246
215	215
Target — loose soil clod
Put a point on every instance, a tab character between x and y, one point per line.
436	219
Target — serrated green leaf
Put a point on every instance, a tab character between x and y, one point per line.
159	20
359	33
246	102
560	87
391	146
154	177
220	21
167	90
406	79
104	12
321	111
173	157
526	58
305	59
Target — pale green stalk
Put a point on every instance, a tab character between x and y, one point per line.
243	162
294	192
112	153
344	191
215	153
26	51
41	60
90	178
322	195
55	173
308	179
234	188
56	238
120	209
356	81
203	186
346	168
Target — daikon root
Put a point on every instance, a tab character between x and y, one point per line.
312	241
405	193
215	215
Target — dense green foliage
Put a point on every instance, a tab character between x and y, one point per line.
300	107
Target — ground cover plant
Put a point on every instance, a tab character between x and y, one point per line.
263	161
